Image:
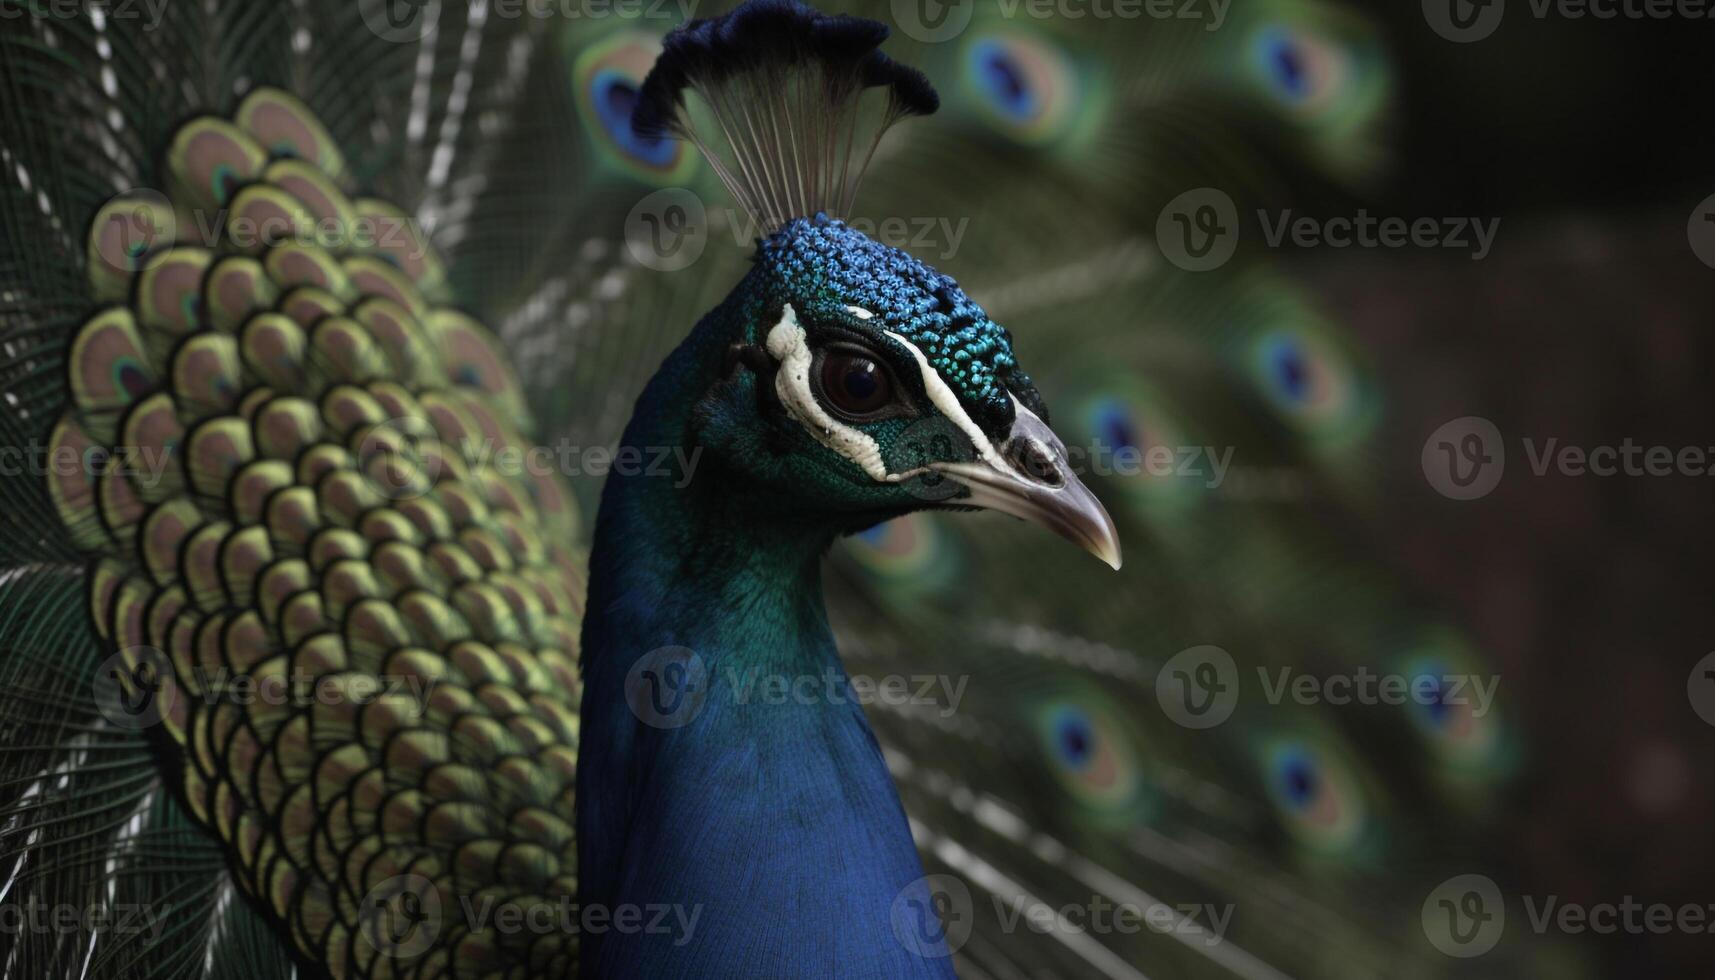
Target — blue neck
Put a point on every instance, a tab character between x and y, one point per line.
765	829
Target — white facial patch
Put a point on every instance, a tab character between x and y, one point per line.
787	344
947	403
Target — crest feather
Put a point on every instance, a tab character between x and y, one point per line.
783	87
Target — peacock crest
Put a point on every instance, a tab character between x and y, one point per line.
319	580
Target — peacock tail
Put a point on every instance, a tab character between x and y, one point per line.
290	609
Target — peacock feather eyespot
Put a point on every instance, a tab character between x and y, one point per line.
1091	752
1323	65
1451	707
914	554
1024	86
608	79
1314	792
1311	376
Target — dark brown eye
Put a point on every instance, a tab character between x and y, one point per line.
854	384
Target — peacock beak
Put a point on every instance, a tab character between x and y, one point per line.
1028	476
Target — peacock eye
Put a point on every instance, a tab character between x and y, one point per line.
854	384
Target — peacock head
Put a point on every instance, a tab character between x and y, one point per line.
874	386
865	385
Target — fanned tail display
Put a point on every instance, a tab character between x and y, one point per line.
318	327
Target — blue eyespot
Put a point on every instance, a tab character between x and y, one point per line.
1298	778
1005	81
614	95
1288	369
1284	63
1073	737
1114	426
1025	85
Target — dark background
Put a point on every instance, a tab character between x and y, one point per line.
1593	142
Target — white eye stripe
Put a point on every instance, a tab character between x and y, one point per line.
860	312
788	344
947	403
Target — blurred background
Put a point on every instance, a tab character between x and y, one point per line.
1319	290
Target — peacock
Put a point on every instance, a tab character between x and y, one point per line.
329	325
